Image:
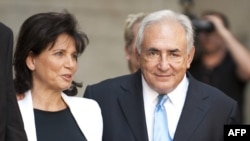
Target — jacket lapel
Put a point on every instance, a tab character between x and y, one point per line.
194	110
27	112
131	103
77	114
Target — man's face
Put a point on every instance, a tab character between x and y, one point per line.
164	58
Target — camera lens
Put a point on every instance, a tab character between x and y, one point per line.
202	26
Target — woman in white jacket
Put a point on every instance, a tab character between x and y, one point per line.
45	61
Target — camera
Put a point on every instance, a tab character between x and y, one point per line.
202	26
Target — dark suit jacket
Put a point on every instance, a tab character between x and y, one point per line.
11	125
205	111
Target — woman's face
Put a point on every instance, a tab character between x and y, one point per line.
55	67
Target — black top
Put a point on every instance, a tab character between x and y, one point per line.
224	77
57	126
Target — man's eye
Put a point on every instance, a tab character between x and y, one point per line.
175	55
152	53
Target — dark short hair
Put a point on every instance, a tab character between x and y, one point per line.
36	33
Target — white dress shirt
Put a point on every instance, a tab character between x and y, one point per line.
173	105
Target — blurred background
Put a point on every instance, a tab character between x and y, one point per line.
104	20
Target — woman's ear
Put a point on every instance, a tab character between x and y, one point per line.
30	61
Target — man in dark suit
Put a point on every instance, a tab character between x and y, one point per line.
11	125
194	111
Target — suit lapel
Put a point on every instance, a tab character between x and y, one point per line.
194	110
77	114
27	112
131	103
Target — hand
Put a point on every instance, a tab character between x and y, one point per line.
217	22
20	96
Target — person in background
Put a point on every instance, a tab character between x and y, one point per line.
45	61
130	31
223	61
162	99
11	124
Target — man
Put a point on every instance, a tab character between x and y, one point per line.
130	31
223	62
194	111
11	125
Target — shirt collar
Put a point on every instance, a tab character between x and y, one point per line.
176	96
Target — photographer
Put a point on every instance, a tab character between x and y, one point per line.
223	61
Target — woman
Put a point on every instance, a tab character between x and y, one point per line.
45	61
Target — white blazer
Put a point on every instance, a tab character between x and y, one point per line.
86	112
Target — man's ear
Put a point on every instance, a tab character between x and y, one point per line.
190	57
30	61
137	54
127	52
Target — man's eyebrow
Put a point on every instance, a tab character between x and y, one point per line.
174	50
169	50
152	49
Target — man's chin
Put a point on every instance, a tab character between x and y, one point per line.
163	90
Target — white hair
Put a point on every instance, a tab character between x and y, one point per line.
166	15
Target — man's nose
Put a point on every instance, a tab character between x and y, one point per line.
163	62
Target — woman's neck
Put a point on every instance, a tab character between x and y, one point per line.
47	100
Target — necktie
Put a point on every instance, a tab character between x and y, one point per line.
161	132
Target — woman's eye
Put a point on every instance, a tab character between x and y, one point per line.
59	53
75	56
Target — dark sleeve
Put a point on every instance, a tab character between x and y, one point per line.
14	124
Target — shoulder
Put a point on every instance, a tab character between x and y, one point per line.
212	93
5	29
110	85
114	81
87	114
80	102
113	86
117	82
79	105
